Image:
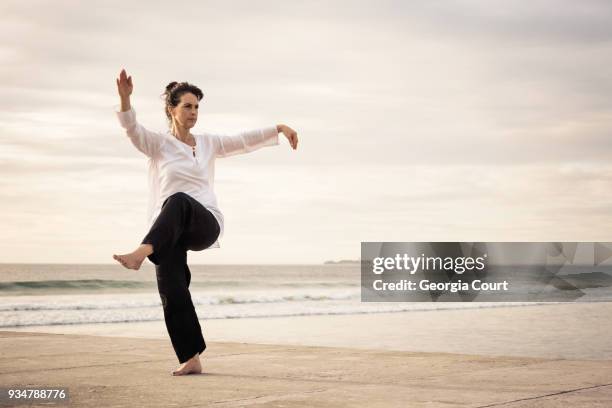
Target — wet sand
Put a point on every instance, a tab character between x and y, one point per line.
580	331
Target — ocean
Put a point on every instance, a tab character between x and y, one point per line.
53	294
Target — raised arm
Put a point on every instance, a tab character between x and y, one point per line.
125	88
252	140
144	140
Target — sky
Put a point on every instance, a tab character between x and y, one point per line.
418	121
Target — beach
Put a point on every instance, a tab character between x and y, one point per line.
119	372
414	359
360	204
301	339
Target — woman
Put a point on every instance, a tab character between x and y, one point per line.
183	210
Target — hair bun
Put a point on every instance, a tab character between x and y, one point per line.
170	86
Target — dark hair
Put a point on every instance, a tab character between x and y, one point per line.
173	94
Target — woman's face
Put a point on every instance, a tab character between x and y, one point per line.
185	113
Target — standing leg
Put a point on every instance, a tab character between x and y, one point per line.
173	278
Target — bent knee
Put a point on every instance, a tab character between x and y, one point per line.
178	197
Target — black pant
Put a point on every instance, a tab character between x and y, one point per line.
183	224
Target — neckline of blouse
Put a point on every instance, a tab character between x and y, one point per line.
195	140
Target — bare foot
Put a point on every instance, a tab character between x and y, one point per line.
191	366
134	259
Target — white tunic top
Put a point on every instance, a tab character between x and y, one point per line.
173	168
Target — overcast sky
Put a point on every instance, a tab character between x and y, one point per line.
418	121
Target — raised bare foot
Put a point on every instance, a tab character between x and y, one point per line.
191	366
134	259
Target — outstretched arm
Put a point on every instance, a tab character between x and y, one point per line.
252	140
144	140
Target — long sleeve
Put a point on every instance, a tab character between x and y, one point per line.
245	142
146	141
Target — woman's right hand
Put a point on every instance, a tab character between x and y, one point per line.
124	85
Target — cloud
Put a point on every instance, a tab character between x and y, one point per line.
540	22
430	119
462	81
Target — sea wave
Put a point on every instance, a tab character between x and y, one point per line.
76	286
144	301
21	318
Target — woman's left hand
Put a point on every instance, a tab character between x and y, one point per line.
289	133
